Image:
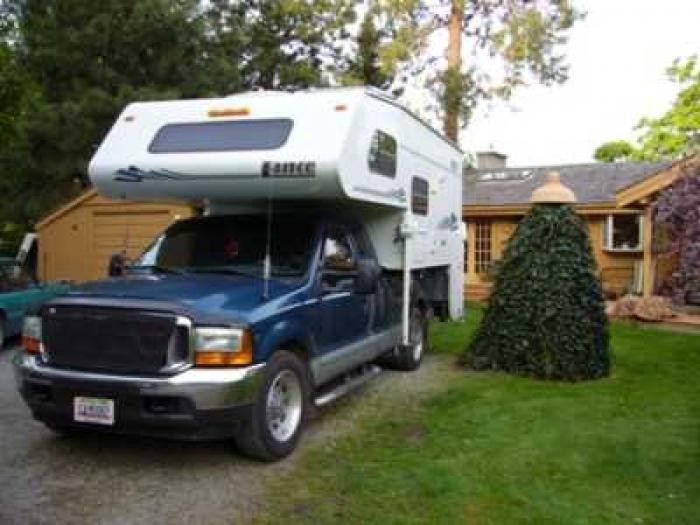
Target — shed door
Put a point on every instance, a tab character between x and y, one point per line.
130	230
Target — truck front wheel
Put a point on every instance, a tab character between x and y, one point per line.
279	410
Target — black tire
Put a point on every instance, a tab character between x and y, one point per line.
2	333
257	438
409	358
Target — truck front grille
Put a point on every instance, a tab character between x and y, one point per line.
113	339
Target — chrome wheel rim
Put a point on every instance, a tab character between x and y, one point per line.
284	405
417	336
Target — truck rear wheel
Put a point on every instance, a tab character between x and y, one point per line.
409	357
279	410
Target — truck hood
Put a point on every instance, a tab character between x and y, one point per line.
205	295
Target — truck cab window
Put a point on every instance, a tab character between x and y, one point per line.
337	253
382	154
233	244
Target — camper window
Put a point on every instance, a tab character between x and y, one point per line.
419	196
382	154
237	135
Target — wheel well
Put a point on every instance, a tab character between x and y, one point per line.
296	347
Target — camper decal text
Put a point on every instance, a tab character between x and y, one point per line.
291	170
136	174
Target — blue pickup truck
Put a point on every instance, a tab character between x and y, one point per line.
195	343
330	233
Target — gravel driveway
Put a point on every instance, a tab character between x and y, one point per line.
45	478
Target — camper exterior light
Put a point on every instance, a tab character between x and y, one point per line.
31	334
229	112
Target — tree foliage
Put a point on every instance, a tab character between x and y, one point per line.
674	134
508	44
522	42
365	66
545	317
614	151
281	44
677	232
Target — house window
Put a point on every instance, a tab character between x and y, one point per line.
419	196
482	246
382	154
622	232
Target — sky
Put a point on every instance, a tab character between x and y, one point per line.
618	56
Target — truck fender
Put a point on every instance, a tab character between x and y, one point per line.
285	333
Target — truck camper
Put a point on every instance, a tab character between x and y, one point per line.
331	233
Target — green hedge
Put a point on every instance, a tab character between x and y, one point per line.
546	315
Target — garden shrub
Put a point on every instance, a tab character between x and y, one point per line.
546	315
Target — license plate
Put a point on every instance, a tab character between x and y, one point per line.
93	410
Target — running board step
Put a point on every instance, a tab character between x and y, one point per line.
347	385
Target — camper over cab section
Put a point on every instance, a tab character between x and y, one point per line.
331	234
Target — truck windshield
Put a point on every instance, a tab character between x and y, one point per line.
232	244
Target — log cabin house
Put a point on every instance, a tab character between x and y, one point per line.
615	199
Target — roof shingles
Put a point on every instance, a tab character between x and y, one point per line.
592	183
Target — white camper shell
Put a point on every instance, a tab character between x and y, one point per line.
348	147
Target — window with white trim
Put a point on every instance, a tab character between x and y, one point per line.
623	232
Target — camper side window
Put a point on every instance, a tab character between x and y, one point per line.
419	196
382	154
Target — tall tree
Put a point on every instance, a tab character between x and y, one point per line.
281	44
674	134
524	35
366	67
508	43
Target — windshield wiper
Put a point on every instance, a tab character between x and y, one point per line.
157	269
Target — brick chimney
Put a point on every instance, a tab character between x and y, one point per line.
490	160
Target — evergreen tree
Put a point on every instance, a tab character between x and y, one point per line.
545	317
366	67
281	44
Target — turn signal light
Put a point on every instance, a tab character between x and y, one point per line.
31	345
243	355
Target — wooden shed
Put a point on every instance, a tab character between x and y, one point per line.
77	240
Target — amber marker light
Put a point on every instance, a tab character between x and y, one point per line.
223	347
229	112
341	107
31	334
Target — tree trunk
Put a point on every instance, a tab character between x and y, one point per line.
452	76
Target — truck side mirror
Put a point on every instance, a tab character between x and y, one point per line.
368	272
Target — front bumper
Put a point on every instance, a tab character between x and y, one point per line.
196	404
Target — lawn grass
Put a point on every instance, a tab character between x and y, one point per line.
492	448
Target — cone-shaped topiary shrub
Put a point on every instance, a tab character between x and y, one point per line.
546	315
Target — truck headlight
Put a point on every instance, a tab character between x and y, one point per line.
31	334
222	346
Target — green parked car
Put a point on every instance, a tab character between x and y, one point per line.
19	292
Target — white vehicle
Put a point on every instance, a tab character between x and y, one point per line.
332	232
